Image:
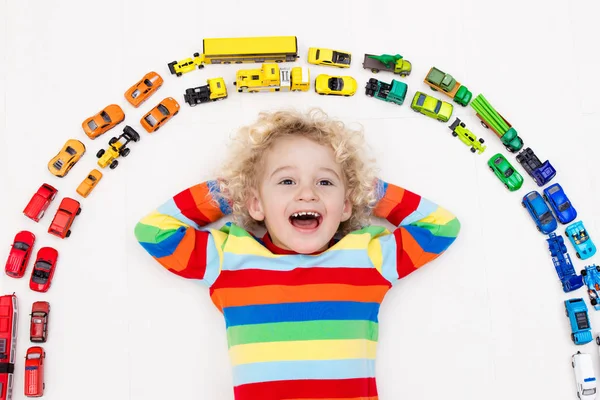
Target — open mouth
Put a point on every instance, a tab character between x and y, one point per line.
306	219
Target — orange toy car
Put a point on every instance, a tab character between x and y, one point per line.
89	183
160	114
105	120
67	157
145	88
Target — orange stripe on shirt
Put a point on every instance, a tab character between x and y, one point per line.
393	197
200	194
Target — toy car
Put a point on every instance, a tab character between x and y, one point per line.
541	173
39	202
335	85
562	264
432	107
43	269
67	157
117	146
185	65
38	328
34	372
585	380
64	217
394	92
334	58
141	91
20	251
213	91
591	277
459	129
577	312
387	62
539	211
505	172
560	204
89	183
580	240
160	114
104	121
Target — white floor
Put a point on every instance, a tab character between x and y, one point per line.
484	321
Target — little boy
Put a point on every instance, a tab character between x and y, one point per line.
300	305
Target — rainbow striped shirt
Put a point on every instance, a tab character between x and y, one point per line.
298	326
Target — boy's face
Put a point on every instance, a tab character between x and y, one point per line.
302	195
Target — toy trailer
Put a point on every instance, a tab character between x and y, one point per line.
401	67
248	50
491	119
541	173
445	83
562	264
215	90
394	92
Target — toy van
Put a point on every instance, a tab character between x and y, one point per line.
585	380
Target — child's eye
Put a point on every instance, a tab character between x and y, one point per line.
286	182
325	182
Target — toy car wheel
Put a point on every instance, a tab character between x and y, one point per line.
544	197
196	54
113	164
594	302
374	70
78	211
473	150
176	112
598	340
68	233
484	125
481	141
523	204
538	228
578	256
509	189
573	337
178	73
491	169
598	268
583	272
125	152
463	125
454	134
100	153
112	141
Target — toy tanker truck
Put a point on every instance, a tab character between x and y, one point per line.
502	128
445	83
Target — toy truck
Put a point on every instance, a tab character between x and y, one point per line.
273	78
541	173
394	92
117	146
591	277
386	62
502	128
445	83
577	312
213	91
562	264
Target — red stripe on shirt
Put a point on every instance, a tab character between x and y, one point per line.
307	389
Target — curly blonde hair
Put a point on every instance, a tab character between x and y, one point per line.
242	169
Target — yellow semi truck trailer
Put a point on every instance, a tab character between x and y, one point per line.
273	78
248	50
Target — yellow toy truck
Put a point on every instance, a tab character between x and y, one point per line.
273	78
117	147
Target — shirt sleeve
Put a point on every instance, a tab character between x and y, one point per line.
423	232
172	235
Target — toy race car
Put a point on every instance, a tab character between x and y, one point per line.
20	251
67	157
39	202
185	65
539	211
43	269
63	219
159	115
335	85
585	378
333	58
562	264
591	277
102	122
394	92
89	183
34	372
141	91
560	204
580	240
213	91
541	173
459	129
432	107
38	328
577	312
117	146
505	172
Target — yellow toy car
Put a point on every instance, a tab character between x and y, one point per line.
333	58
89	183
336	85
185	65
116	148
68	156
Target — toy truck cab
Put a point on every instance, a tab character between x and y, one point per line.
34	372
439	80
585	379
394	92
562	264
577	312
541	173
214	90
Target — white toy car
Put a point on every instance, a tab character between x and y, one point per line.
584	376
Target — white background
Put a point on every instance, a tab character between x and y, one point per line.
486	320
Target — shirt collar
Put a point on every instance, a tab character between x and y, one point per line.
273	248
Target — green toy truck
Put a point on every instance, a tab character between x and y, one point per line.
387	62
394	92
502	128
445	83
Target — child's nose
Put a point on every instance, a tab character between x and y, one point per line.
307	193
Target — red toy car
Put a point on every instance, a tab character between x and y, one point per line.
19	254
63	219
34	372
9	313
39	202
38	330
43	269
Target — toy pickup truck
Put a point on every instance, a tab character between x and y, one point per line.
491	119
40	201
541	173
581	330
386	62
591	277
562	264
445	83
394	92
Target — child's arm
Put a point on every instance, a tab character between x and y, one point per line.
171	233
424	231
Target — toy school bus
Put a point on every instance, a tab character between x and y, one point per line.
248	50
8	343
272	78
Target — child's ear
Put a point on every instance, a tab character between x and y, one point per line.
347	210
255	208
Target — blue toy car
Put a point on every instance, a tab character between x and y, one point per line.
560	204
591	277
577	312
562	263
580	240
539	211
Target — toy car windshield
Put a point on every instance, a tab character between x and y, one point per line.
21	246
509	172
164	110
437	107
92	125
587	392
564	206
70	150
43	265
105	117
336	83
32	356
151	120
546	217
340	58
